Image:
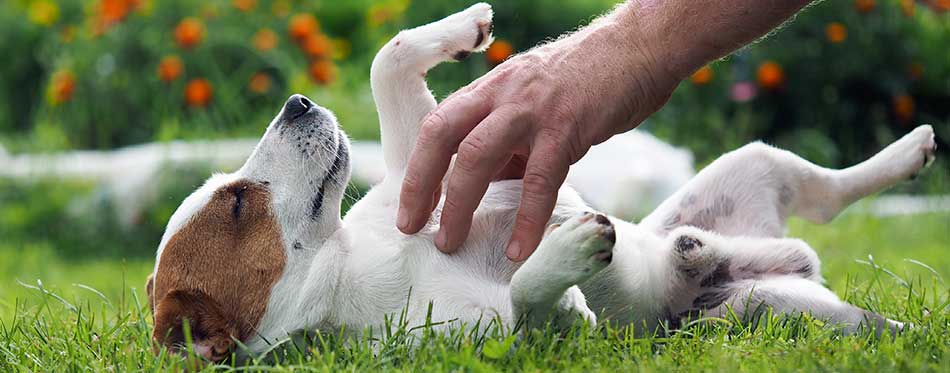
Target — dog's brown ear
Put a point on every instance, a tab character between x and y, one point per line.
149	288
212	332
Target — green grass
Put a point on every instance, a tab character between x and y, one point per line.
92	315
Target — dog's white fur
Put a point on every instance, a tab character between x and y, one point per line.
716	242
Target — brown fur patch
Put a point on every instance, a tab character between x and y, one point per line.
209	327
149	286
219	268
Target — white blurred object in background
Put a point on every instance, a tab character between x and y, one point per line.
631	174
627	176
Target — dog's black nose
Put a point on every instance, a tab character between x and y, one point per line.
296	106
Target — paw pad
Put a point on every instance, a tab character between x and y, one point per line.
461	55
610	235
686	244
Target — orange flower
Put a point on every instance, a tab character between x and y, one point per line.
259	83
170	68
316	45
836	32
770	75
323	71
265	39
903	106
908	7
864	6
245	5
110	12
940	6
702	76
198	92
499	51
915	70
189	32
62	85
303	25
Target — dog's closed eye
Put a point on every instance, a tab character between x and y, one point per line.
238	200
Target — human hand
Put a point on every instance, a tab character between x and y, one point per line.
532	117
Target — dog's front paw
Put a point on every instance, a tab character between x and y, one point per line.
582	246
481	15
929	145
465	32
916	151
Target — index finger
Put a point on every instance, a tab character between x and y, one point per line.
441	132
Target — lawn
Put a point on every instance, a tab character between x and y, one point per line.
60	314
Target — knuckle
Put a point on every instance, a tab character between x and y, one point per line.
472	151
525	219
567	139
531	60
410	186
556	135
540	180
564	113
454	209
434	127
479	92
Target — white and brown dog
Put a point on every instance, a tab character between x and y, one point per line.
262	252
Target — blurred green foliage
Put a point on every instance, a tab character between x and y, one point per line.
847	77
835	85
78	219
852	82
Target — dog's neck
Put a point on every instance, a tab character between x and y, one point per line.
305	296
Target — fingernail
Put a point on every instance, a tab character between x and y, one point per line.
440	240
514	251
402	219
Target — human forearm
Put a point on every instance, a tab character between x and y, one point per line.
685	34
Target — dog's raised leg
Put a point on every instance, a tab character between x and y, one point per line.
752	191
544	288
791	295
708	259
398	76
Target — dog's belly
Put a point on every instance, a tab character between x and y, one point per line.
460	285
